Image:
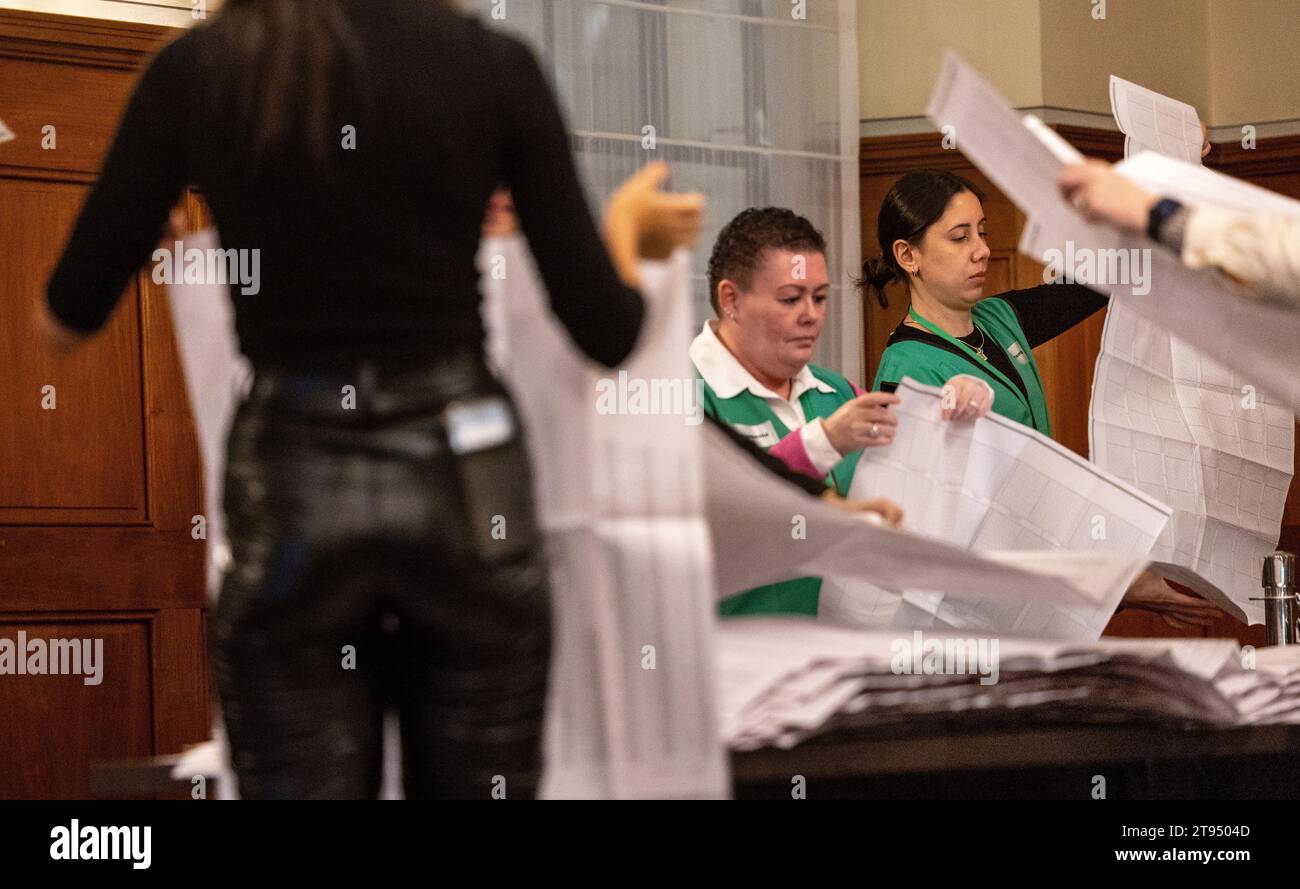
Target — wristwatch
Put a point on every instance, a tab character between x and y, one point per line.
1161	212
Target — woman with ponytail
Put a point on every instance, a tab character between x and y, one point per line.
353	145
931	234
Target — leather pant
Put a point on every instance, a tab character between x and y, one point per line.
356	586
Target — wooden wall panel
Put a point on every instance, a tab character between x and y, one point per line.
54	477
55	727
96	496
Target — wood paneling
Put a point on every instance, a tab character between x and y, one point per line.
96	495
60	404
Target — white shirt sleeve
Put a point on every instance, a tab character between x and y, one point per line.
1262	251
819	448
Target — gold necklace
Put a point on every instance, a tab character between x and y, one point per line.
979	350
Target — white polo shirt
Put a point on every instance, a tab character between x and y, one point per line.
728	378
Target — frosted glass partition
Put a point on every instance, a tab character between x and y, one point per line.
753	102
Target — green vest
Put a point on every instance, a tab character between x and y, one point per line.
748	413
934	365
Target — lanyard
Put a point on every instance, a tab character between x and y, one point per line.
983	363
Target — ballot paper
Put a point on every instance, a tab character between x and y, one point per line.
1152	122
1257	339
765	530
1189	431
990	485
217	376
619	489
1177	423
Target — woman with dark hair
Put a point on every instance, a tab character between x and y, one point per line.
931	230
377	489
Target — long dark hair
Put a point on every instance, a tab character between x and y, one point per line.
913	204
279	64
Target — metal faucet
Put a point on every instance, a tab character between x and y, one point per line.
1280	603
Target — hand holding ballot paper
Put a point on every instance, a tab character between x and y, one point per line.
1210	220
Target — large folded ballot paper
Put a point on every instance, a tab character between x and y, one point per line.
995	485
620	498
1186	429
1172	420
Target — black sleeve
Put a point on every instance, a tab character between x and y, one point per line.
1049	310
772	464
123	217
602	314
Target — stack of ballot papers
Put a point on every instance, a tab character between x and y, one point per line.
786	680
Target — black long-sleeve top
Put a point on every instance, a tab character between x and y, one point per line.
378	261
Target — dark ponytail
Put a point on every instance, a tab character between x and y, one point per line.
876	273
913	204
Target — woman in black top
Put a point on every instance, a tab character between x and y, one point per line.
377	491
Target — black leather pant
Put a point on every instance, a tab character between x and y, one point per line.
356	585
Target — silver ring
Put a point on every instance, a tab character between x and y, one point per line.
874	430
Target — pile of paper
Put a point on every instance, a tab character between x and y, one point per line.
1267	687
785	680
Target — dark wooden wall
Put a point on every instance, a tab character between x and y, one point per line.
97	495
1067	362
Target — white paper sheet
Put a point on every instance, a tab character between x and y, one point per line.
765	530
1152	122
619	488
993	485
1188	431
1177	423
